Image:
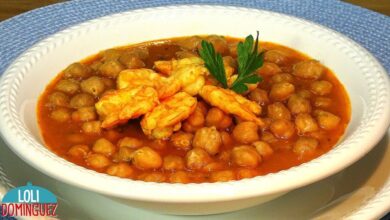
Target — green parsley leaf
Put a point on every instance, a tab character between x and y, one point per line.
249	60
213	61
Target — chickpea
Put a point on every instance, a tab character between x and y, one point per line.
95	65
91	127
182	140
111	54
276	56
246	132
282	77
197	158
322	102
103	146
82	100
202	107
179	177
197	118
281	91
305	123
259	96
244	173
309	69
156	177
304	145
216	117
60	114
130	142
93	85
230	66
58	99
277	110
268	137
297	104
77	70
97	161
263	148
190	43
159	144
233	48
207	138
124	154
140	52
112	135
123	170
78	151
282	128
306	94
321	87
227	140
269	69
222	176
84	114
146	158
108	84
131	61
111	68
68	86
245	156
219	43
185	54
326	120
229	61
267	123
172	162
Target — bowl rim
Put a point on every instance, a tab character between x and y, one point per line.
10	130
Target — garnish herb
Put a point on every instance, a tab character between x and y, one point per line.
213	61
249	60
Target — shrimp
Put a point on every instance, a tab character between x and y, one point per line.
134	77
166	67
189	73
119	106
191	78
230	102
166	118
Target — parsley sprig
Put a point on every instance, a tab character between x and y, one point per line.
249	60
213	62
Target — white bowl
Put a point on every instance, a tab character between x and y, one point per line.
25	79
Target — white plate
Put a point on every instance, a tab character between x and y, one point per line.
362	75
361	191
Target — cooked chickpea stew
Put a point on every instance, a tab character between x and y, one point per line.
153	112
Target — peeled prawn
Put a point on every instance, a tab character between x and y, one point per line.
119	106
166	118
189	73
165	87
231	102
168	66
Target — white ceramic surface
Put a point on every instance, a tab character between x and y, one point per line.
349	194
363	77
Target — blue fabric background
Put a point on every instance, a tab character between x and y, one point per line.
370	29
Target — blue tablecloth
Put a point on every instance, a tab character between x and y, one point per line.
368	28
